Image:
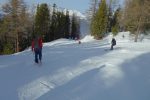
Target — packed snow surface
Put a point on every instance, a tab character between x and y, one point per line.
86	71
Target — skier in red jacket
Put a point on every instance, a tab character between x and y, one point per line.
37	45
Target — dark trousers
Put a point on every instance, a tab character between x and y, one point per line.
38	55
112	47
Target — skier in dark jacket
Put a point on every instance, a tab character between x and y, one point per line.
37	48
113	43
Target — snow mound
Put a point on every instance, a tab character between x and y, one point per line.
120	37
77	13
128	37
123	37
88	38
59	42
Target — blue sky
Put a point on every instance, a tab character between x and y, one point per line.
80	5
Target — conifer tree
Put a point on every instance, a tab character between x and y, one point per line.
42	21
59	25
74	26
53	24
110	16
115	22
99	21
67	25
93	9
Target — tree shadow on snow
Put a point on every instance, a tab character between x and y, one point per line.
137	77
75	89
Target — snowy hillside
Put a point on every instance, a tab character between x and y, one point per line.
72	71
77	13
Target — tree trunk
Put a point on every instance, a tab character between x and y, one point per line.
138	30
17	43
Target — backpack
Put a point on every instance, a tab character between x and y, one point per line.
36	43
114	42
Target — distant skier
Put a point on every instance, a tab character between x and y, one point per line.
37	48
113	43
123	36
79	42
78	39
